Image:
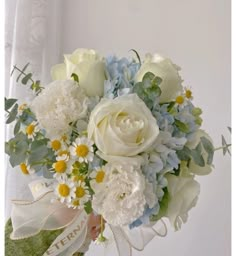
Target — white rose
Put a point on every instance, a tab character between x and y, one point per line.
194	168
183	193
59	104
167	71
123	126
88	65
120	199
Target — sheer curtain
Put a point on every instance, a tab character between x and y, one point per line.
32	34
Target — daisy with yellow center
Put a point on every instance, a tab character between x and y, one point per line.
31	130
188	94
65	191
82	149
26	169
62	166
75	204
81	192
21	108
98	177
179	100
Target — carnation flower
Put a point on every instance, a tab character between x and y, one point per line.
60	104
121	199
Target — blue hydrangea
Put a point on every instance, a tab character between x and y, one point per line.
120	76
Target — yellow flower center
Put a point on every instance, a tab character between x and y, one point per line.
188	94
56	144
79	192
60	166
76	203
22	107
63	152
30	129
82	150
64	137
24	168
63	190
179	99
100	176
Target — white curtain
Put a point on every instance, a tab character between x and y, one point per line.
32	34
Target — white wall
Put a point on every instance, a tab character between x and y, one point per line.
195	34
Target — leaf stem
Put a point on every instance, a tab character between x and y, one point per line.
22	72
226	146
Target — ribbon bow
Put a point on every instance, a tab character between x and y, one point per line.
29	218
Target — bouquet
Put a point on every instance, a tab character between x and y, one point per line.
112	143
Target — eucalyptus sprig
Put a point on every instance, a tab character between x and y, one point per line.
225	146
26	78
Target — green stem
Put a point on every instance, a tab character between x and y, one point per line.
22	72
219	148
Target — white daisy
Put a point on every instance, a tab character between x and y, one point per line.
81	192
32	129
65	190
98	177
56	144
21	108
62	166
75	204
82	148
26	169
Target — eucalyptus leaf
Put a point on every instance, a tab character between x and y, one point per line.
197	155
9	103
21	71
12	115
17	127
208	146
184	154
137	55
26	78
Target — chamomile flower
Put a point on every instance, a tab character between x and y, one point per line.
75	204
82	149
32	129
21	108
98	177
26	169
81	192
65	190
188	93
55	144
62	166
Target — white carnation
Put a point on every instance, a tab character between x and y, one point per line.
61	103
121	200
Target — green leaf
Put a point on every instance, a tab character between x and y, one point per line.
12	115
197	155
9	103
163	206
181	126
17	127
88	207
75	77
38	152
21	71
184	154
26	78
46	173
33	246
209	149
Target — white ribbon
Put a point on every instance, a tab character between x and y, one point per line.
29	218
